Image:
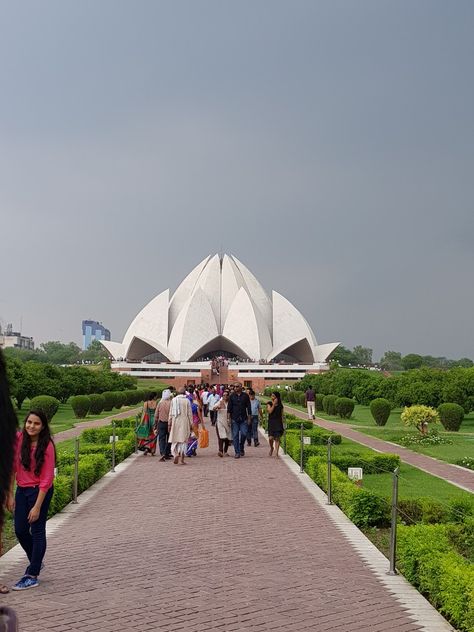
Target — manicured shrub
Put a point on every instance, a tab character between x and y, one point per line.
80	405
380	410
101	435
62	494
49	405
128	422
344	407
295	424
329	404
91	468
429	561
318	402
97	403
451	416
109	400
123	448
370	462
119	399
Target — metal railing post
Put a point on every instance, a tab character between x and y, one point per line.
329	492
113	446
76	470
301	448
393	527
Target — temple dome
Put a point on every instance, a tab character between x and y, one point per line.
220	307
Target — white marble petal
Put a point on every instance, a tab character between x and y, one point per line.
183	292
195	326
246	328
210	283
289	326
151	322
116	349
258	294
231	283
322	352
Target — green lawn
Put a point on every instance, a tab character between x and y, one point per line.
65	419
151	382
362	420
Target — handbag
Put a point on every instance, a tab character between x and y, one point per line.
203	438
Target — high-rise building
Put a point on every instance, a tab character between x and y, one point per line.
92	330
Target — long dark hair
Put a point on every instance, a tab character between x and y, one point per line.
278	396
44	439
8	425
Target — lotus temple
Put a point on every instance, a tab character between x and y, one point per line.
219	326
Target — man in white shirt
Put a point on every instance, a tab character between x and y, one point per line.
205	400
212	400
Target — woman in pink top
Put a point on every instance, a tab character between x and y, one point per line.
33	469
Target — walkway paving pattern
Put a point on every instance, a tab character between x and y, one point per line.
218	544
459	476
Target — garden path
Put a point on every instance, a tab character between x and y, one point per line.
93	423
219	544
459	476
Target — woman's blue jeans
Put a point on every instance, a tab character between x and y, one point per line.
32	537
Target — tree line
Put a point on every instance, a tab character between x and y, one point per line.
394	360
55	352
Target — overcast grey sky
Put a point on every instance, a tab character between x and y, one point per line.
328	145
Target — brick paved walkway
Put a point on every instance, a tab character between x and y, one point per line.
461	477
94	423
218	544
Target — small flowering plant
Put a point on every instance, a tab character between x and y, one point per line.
419	417
466	461
432	438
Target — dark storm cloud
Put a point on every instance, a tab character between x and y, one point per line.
328	145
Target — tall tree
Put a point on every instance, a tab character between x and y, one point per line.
362	355
391	361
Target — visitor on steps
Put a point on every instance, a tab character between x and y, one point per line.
33	470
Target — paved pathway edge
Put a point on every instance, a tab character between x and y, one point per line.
421	611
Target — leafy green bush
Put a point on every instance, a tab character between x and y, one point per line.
97	403
109	400
292	424
451	416
429	561
119	399
91	468
419	417
329	404
101	435
466	461
62	494
123	448
370	462
80	405
128	422
318	402
380	410
344	407
362	506
49	405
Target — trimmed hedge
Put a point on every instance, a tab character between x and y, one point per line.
363	507
380	410
109	400
80	405
49	405
101	435
427	558
329	404
97	403
127	422
344	407
451	416
318	402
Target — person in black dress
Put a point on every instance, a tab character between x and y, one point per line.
275	422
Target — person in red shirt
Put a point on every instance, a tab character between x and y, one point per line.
33	469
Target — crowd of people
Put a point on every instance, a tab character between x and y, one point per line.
175	424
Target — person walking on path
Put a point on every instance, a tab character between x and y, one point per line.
275	422
146	431
239	413
256	415
162	416
204	400
212	400
223	430
33	469
180	425
310	402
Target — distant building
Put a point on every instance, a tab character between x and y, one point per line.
10	338
92	330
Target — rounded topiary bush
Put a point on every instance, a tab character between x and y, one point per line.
380	410
344	407
119	399
451	416
49	405
319	401
109	400
80	405
329	404
97	403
